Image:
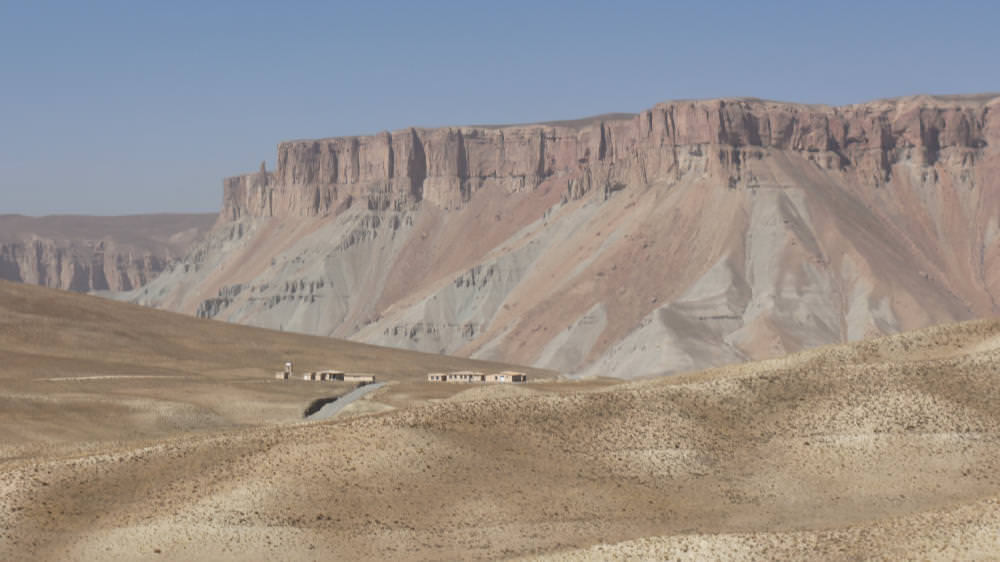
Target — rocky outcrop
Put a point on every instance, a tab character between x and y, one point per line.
94	253
445	166
690	234
84	268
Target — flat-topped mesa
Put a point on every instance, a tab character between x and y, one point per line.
445	166
395	170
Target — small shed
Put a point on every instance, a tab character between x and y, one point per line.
310	376
281	376
436	377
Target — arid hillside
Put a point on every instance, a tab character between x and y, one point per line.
693	234
882	449
87	253
77	369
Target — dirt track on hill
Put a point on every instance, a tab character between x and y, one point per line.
333	408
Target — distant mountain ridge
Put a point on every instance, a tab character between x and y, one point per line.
90	253
691	234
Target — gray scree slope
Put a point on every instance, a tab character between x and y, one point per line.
692	234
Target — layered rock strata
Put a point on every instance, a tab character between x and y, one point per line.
446	166
85	254
693	233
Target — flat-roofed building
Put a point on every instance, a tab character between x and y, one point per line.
331	375
476	376
506	377
465	376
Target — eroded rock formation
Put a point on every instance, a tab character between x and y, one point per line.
84	254
693	233
445	166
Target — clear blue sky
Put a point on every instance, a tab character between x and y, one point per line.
134	106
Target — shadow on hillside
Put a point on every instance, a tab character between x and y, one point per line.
317	404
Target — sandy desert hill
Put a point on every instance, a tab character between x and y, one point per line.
93	253
77	368
882	449
695	233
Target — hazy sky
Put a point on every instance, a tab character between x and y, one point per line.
132	106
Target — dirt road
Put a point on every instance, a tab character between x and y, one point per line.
331	409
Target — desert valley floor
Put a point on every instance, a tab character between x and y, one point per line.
130	434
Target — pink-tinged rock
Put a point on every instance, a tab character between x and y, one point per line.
445	166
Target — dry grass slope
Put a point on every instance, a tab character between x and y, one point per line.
885	449
76	368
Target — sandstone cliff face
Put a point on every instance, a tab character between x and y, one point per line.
94	253
693	233
446	166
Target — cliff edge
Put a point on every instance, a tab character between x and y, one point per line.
688	235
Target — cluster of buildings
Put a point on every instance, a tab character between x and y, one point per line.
326	375
477	376
456	376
